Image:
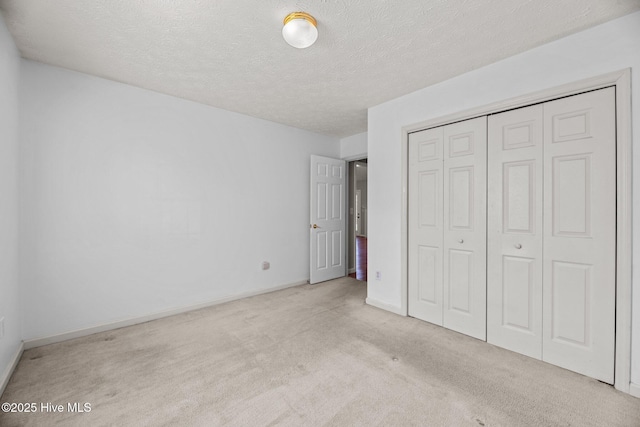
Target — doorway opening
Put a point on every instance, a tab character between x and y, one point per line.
357	227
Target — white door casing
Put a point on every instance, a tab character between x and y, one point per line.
465	224
327	226
579	284
514	234
447	226
426	189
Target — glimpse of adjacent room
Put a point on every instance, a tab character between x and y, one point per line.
357	228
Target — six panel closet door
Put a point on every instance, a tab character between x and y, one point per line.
447	226
551	233
514	233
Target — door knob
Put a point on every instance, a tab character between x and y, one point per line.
460	241
315	226
518	246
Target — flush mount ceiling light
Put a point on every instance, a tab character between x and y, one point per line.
300	29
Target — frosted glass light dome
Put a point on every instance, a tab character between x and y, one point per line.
300	30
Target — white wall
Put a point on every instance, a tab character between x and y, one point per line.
138	202
609	47
354	147
9	292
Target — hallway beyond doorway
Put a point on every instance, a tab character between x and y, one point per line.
361	259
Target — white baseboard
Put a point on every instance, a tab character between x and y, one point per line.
351	271
634	390
6	375
38	342
385	306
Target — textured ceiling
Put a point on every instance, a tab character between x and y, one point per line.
230	53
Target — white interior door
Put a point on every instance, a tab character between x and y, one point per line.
426	162
464	242
579	233
514	264
327	219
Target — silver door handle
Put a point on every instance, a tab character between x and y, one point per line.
518	246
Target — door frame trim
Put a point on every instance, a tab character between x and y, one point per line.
622	82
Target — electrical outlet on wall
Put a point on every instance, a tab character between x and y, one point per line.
378	275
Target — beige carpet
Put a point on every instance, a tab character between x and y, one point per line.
304	356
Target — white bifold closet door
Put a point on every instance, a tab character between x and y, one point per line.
579	284
447	226
426	229
551	235
514	234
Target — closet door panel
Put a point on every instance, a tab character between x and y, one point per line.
580	227
425	225
464	238
514	272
